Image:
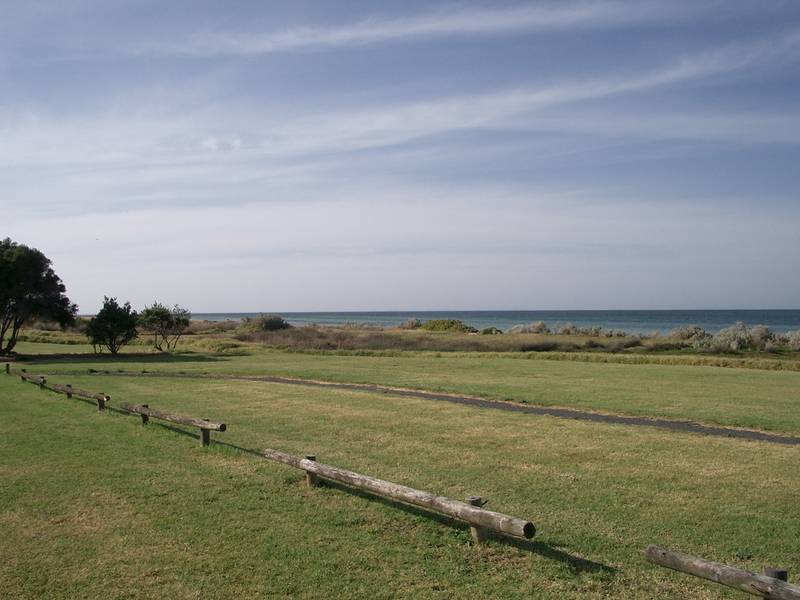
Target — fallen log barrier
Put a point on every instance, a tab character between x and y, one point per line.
480	519
101	398
752	583
206	426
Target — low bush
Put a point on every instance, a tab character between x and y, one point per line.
537	327
410	324
491	331
632	342
793	340
546	346
265	323
761	337
737	338
202	326
689	333
448	325
665	346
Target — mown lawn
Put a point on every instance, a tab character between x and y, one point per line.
750	398
97	506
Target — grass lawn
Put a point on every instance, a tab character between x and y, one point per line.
751	398
94	505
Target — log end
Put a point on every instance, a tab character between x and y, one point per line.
222	427
528	530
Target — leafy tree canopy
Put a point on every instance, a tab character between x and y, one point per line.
166	324
29	289
113	327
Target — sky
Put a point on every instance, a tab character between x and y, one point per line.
316	155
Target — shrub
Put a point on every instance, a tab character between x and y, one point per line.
632	342
793	340
761	337
570	329
731	339
664	346
537	327
113	327
265	323
412	323
197	327
491	331
689	333
448	325
546	346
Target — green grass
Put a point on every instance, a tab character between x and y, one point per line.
93	505
751	398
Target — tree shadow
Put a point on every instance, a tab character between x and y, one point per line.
137	357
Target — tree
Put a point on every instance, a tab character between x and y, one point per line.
113	327
29	289
167	325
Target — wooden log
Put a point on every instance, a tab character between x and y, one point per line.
453	508
67	389
25	376
146	411
479	534
752	583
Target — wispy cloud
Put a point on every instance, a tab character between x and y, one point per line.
452	22
215	138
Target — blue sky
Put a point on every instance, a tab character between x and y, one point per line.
406	155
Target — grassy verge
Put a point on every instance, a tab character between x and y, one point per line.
759	399
94	505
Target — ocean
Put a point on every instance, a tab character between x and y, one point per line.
630	321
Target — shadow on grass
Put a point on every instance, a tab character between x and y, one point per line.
137	357
576	564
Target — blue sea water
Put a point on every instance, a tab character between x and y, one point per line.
631	321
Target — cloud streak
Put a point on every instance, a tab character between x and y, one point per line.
442	23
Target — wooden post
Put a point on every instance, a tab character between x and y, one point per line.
479	534
42	381
145	418
101	401
8	369
68	390
205	436
311	478
22	374
782	574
